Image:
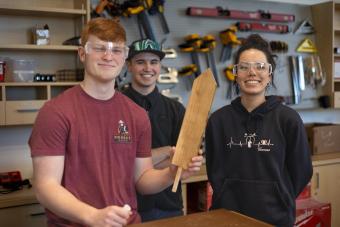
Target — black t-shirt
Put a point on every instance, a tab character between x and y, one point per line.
166	116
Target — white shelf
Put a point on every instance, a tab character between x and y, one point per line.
30	84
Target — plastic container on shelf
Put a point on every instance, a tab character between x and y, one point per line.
22	71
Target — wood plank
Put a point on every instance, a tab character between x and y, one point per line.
194	122
41	11
38	47
18	198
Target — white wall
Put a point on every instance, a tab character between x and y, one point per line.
14	151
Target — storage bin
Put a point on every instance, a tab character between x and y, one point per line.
22	71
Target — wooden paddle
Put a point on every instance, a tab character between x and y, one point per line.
194	122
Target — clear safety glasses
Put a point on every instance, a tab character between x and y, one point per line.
244	68
103	49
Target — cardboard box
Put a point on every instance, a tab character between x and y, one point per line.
323	138
312	213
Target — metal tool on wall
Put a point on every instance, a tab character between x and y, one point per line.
293	65
259	15
169	76
306	46
278	46
230	75
138	8
207	47
305	27
261	27
157	7
301	73
313	71
192	45
170	52
169	94
188	71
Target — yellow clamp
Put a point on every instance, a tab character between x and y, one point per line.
228	72
187	70
148	3
194	39
208	44
229	36
192	42
133	10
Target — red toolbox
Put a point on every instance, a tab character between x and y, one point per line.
312	213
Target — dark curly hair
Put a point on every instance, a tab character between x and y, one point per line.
255	41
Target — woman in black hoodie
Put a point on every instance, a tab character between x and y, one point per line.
258	159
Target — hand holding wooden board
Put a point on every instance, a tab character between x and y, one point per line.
194	122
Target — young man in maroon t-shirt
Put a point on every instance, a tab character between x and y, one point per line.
91	145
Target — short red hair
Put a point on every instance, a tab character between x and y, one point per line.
105	29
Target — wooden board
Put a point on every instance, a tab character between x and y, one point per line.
194	122
215	218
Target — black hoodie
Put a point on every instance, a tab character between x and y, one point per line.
258	162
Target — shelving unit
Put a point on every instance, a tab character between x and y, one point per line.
327	38
20	102
326	183
65	19
2	106
33	47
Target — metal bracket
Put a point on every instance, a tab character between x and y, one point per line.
170	76
170	53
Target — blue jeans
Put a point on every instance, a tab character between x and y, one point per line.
156	214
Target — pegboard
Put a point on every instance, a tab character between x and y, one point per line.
181	25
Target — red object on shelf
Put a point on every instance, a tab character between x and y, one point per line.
312	213
10	179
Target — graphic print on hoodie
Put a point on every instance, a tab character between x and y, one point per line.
250	140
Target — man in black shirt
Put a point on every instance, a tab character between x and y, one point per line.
166	116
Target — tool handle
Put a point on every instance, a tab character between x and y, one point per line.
164	23
212	65
144	21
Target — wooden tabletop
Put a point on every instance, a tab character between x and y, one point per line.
17	198
216	218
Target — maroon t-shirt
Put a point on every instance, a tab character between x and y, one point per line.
100	141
